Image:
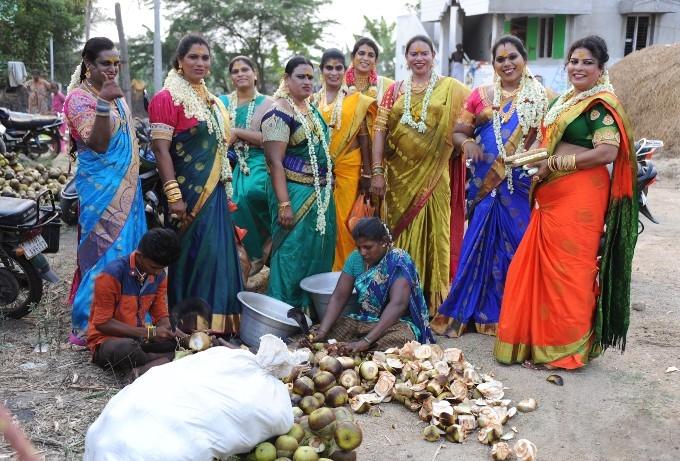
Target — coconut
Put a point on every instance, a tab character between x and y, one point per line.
385	384
349	379
305	454
303	386
332	365
368	370
347	435
336	396
265	452
323	381
199	341
286	446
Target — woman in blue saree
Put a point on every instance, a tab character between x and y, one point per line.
392	305
190	132
247	106
497	121
300	191
111	216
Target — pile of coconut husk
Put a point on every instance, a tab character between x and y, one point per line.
648	84
27	179
439	385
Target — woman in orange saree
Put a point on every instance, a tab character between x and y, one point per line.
560	307
424	201
348	117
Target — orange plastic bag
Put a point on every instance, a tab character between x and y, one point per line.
362	208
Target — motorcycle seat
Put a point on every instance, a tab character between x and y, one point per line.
17	211
22	120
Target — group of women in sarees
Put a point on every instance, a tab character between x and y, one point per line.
548	195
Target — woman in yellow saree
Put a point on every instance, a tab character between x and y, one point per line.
424	200
348	117
362	75
567	295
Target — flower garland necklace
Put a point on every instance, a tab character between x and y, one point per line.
366	82
406	117
566	100
530	102
242	148
322	203
183	93
336	115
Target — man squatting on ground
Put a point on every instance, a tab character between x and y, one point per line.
126	290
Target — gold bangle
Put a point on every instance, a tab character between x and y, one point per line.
467	140
283	205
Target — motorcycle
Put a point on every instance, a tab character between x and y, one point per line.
27	232
34	135
646	175
155	209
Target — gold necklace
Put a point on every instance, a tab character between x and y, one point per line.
361	82
201	91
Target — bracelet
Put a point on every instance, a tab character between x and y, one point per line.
462	146
366	176
365	338
103	108
150	331
283	205
377	165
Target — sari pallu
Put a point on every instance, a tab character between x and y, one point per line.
424	199
301	251
111	211
495	228
249	195
208	266
357	109
373	287
558	308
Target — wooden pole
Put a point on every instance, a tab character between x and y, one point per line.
157	52
124	58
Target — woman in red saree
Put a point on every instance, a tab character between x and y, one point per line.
567	298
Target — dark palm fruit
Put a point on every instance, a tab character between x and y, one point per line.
323	381
286	446
309	404
336	396
342	455
332	365
349	378
305	454
320	397
303	386
321	419
342	414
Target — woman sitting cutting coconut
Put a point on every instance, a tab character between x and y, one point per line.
393	309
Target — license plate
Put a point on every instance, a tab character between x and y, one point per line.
34	247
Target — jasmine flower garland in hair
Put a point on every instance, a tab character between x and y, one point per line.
242	148
322	200
407	118
531	102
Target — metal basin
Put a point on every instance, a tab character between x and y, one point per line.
263	315
320	288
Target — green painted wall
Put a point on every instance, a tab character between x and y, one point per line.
559	36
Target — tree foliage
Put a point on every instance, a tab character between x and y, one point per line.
26	28
383	33
264	30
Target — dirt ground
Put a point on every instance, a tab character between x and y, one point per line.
619	407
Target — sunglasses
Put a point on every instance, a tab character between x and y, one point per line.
330	68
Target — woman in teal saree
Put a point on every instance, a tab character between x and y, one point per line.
300	191
190	129
246	107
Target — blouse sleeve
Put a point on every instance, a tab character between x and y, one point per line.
473	105
274	127
80	110
354	265
603	126
163	116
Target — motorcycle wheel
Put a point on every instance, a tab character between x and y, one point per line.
69	211
20	286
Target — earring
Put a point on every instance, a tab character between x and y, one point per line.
180	71
207	73
88	74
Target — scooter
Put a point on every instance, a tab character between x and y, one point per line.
27	231
646	175
33	135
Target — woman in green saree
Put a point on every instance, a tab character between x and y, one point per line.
425	183
246	107
300	192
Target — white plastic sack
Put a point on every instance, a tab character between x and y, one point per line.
216	403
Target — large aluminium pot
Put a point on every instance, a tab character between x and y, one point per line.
263	315
320	288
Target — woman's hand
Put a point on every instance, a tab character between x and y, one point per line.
378	186
365	185
359	346
177	210
542	172
110	91
318	335
472	151
286	217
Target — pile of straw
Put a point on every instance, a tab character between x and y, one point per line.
648	84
